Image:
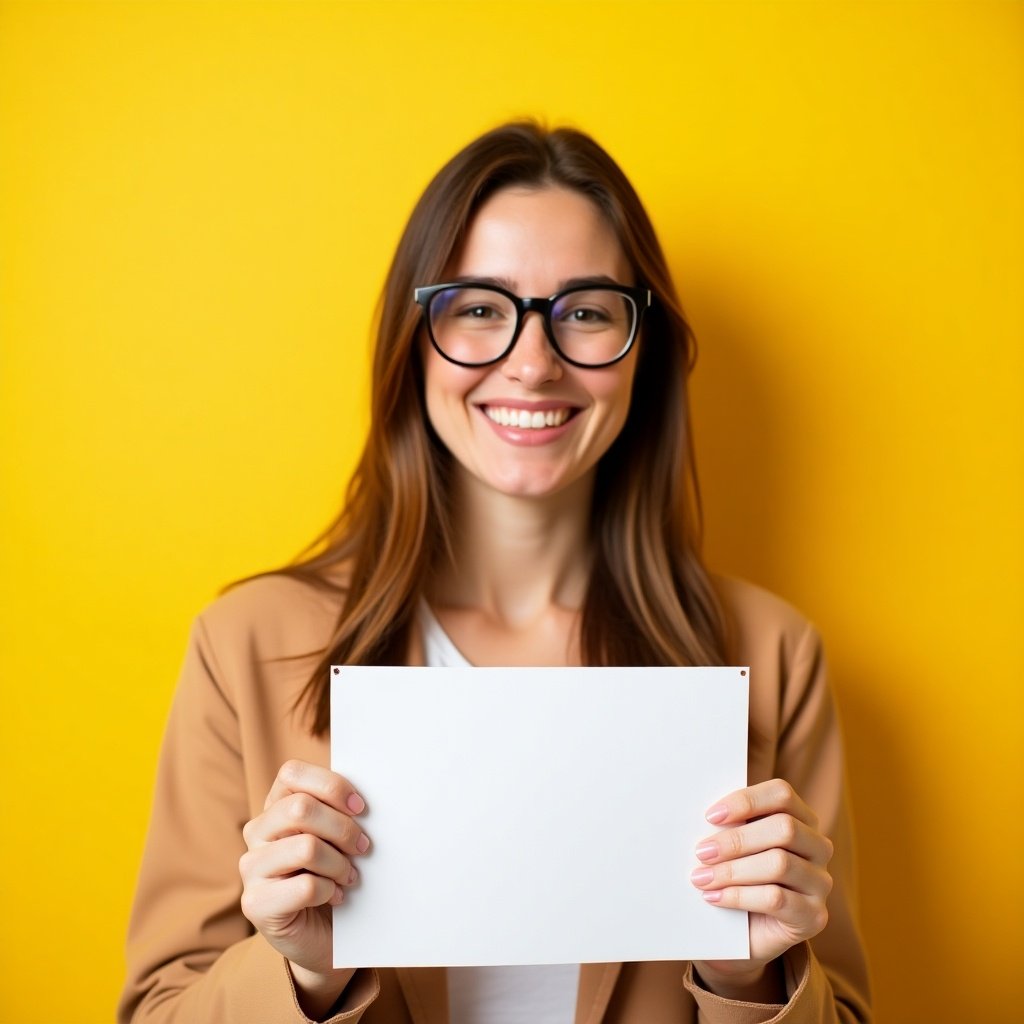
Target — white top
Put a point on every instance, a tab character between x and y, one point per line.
534	994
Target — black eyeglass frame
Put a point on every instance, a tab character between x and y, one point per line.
640	297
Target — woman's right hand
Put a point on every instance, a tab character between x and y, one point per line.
298	860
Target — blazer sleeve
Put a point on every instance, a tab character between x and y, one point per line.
827	978
192	956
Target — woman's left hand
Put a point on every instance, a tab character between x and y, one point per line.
770	859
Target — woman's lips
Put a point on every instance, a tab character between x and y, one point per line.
529	424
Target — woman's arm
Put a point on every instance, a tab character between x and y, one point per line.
193	958
786	855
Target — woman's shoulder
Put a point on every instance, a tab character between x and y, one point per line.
788	671
276	614
747	601
761	624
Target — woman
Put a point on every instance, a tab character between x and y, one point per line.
526	497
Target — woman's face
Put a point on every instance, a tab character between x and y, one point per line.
533	242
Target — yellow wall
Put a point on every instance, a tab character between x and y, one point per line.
197	205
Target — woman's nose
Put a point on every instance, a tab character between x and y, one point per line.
532	361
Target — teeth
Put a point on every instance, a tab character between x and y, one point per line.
526	420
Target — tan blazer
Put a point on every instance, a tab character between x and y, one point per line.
193	957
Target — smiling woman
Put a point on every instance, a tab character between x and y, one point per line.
529	422
526	497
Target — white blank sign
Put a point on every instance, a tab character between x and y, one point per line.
535	815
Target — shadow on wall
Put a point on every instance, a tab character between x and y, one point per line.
757	461
746	458
909	938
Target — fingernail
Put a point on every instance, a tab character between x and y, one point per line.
717	814
362	843
338	897
355	803
707	851
353	875
701	876
712	897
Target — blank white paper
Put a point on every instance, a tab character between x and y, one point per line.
535	815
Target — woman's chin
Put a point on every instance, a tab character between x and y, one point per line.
534	484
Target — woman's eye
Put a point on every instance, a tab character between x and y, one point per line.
587	315
478	312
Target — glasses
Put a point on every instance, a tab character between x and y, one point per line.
478	324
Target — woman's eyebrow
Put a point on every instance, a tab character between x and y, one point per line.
595	280
499	282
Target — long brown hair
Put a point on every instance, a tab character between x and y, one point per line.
649	600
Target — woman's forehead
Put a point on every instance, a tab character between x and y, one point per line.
551	235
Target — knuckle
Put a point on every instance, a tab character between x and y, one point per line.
830	884
305	889
245	864
820	920
247	833
291	772
830	848
250	906
746	805
731	841
787	829
300	807
782	792
775	899
336	790
306	848
779	862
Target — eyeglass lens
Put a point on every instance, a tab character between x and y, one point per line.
474	324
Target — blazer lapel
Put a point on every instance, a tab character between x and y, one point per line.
426	993
597	981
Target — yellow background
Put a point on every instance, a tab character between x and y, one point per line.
197	206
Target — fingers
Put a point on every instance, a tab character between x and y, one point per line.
306	798
777	868
294	854
777	831
298	859
770	859
279	900
301	813
769	815
326	786
774	796
803	916
786	890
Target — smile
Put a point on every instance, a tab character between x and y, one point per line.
526	419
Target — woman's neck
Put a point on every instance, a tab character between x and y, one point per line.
516	558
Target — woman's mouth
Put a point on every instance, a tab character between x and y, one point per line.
528	419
